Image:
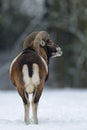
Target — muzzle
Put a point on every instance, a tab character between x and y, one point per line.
57	53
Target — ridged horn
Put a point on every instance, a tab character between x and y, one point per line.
28	40
42	35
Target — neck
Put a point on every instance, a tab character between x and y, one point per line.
46	58
44	55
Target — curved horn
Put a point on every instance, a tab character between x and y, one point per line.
40	36
28	40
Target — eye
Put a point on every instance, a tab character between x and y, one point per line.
42	43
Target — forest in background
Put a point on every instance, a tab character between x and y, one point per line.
65	20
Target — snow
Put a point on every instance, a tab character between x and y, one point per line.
60	109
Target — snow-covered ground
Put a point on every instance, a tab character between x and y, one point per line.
58	110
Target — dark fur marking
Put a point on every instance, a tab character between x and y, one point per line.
24	98
30	69
29	57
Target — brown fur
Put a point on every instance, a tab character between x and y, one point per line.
33	53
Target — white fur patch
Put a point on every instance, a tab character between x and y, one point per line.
14	62
58	53
46	66
35	77
31	82
25	75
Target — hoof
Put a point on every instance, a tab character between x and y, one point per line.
27	122
36	122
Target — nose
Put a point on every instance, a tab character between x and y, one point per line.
59	51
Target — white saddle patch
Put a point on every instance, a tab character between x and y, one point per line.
45	64
31	82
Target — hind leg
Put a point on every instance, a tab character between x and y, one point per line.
26	109
24	96
35	101
34	110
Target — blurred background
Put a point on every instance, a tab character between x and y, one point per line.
65	20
